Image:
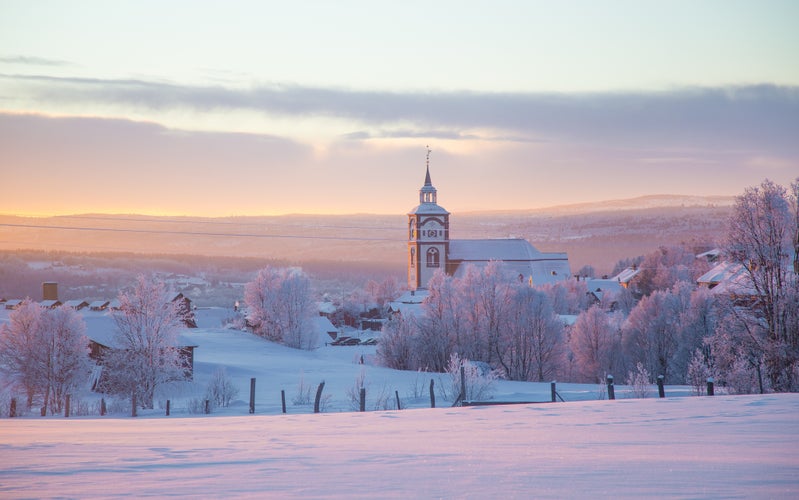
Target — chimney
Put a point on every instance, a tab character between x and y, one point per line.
49	290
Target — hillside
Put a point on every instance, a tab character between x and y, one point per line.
598	234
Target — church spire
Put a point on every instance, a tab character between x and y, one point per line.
428	193
427	174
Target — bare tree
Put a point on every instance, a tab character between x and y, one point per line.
44	352
595	343
18	344
145	355
64	354
763	237
281	306
531	347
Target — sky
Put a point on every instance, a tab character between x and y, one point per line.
261	108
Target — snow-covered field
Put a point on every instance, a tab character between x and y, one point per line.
708	447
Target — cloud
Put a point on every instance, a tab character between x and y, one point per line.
757	117
33	61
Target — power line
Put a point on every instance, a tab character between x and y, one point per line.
162	220
196	233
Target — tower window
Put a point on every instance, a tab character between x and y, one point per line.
432	257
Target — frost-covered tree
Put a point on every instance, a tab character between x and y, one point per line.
485	296
18	344
281	306
64	355
595	342
397	346
763	236
650	332
145	353
531	346
44	352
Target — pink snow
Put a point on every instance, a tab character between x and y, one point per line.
708	447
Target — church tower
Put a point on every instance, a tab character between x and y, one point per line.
428	235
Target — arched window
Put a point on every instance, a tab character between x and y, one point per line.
413	257
432	257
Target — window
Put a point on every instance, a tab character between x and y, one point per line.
432	257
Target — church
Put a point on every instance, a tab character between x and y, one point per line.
430	248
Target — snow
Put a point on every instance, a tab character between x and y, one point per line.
708	447
719	447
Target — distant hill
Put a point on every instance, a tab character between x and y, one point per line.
598	234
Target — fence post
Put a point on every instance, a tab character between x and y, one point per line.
252	395
207	407
611	390
12	412
463	384
66	407
432	395
133	404
362	405
44	411
710	391
396	393
103	409
553	391
318	397
167	407
283	400
661	389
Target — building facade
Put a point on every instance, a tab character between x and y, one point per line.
430	248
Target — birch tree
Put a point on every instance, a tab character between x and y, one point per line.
145	353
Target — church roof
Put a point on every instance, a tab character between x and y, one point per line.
518	256
505	249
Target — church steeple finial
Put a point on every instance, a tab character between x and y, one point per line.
427	181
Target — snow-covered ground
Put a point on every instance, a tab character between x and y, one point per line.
720	447
705	447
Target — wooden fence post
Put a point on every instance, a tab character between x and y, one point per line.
463	384
207	407
167	407
362	406
396	393
318	397
252	395
103	409
661	389
553	392
66	407
133	404
283	400
432	395
710	391
12	412
611	390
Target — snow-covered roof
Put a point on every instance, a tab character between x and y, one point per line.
99	304
75	303
326	307
728	277
603	285
323	324
50	303
406	309
102	329
721	272
627	275
411	297
428	209
518	256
